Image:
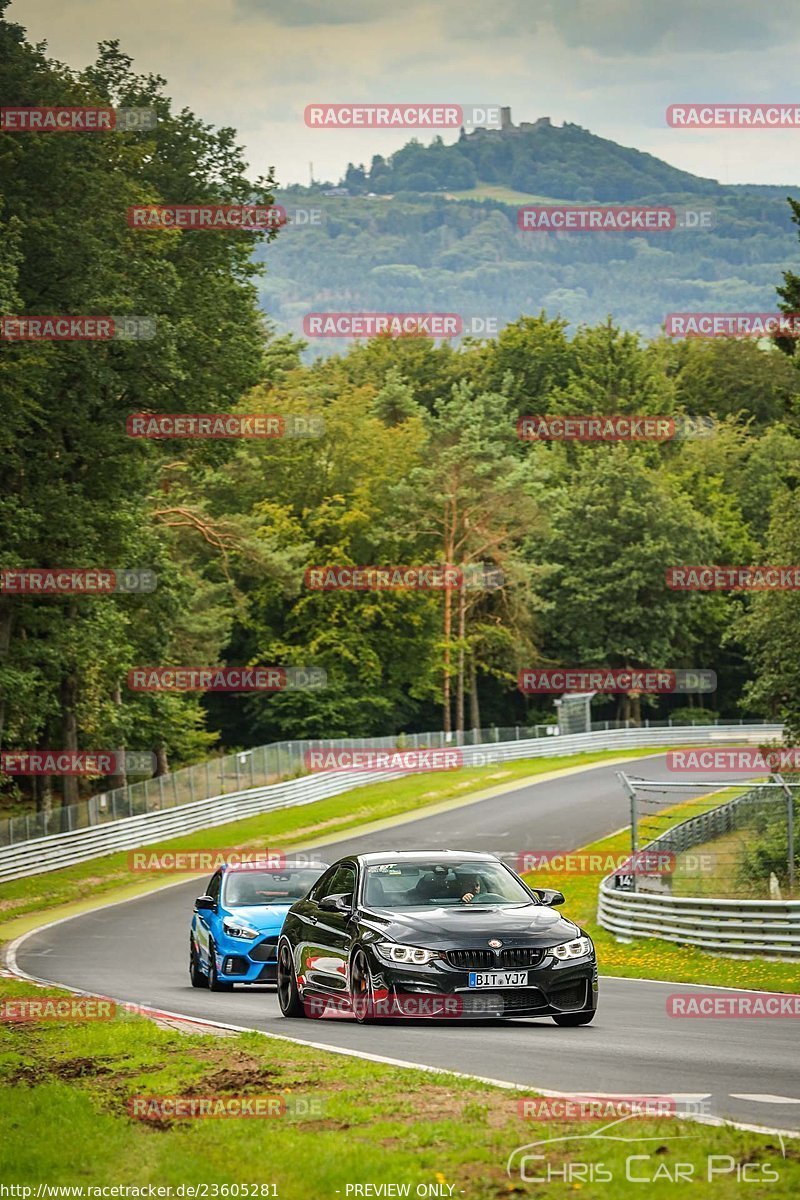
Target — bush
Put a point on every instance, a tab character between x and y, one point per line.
693	716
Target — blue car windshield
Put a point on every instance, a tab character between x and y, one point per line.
284	886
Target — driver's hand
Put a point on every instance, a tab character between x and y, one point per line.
468	897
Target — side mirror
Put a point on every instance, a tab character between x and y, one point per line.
340	902
204	903
549	896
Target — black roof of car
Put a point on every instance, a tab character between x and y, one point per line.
289	865
379	858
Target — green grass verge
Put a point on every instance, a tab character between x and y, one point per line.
65	1089
651	958
311	823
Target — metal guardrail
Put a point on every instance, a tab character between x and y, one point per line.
727	926
247	769
64	849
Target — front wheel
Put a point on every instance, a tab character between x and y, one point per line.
362	992
288	994
576	1018
215	984
197	977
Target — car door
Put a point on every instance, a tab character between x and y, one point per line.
327	948
204	918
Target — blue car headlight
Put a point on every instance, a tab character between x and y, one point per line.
238	929
577	948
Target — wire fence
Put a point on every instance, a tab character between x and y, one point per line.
260	767
737	841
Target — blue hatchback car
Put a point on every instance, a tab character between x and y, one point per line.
235	925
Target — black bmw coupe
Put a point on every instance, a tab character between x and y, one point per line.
433	934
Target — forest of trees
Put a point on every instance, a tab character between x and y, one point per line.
435	228
564	161
419	462
422	254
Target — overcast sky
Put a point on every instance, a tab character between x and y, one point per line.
612	66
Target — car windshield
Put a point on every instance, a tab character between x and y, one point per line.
434	884
282	886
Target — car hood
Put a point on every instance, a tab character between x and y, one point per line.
266	918
533	924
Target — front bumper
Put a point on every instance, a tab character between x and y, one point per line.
552	987
241	961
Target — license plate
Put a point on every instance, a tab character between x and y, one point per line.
494	979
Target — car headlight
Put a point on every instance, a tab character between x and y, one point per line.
577	948
239	930
395	952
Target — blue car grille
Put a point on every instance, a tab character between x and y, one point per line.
265	951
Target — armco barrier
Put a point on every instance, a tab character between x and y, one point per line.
257	767
63	849
726	926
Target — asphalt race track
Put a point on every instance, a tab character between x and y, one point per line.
746	1068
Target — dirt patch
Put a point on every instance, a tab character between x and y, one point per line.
79	1068
69	1068
28	1076
239	1079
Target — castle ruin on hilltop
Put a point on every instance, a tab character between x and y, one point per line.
507	126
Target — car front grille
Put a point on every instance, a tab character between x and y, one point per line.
482	960
265	951
522	956
471	960
518	998
479	1002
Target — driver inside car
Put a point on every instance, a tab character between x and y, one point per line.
435	885
468	886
